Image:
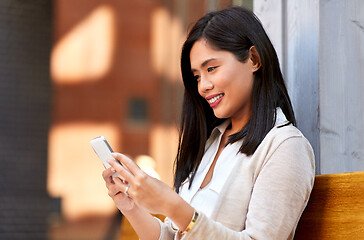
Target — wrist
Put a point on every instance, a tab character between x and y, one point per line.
192	223
181	213
130	211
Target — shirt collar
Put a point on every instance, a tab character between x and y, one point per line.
222	127
217	131
280	118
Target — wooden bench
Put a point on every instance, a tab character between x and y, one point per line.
335	209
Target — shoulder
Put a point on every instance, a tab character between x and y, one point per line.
282	133
287	137
285	150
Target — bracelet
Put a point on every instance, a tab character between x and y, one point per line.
192	223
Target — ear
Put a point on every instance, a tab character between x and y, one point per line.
254	58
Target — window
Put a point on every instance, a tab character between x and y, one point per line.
138	111
243	3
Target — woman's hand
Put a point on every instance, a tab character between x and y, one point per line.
115	186
146	191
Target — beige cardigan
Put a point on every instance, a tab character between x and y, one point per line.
265	194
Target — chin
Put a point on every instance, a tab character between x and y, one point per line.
220	115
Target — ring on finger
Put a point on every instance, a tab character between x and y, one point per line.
126	190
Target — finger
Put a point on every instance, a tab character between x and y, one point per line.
129	164
122	186
123	172
116	186
107	174
120	182
114	191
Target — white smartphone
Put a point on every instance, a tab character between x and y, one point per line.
103	151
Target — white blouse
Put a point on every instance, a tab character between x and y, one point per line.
204	199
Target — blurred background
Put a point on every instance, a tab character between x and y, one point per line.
74	70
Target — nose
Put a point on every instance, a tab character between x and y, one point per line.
205	85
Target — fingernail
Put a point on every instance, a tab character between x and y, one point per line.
113	170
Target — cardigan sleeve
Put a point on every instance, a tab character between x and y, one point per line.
279	196
166	231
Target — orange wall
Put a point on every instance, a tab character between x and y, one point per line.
104	53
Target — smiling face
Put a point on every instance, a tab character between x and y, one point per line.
223	81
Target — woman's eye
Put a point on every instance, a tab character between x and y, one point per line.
210	69
197	77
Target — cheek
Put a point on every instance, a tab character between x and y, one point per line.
243	89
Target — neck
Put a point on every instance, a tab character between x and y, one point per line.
238	122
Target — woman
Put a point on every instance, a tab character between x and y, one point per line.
243	171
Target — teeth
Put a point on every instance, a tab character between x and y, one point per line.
212	100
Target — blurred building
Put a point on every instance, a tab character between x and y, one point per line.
115	72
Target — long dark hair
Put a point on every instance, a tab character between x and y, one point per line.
234	29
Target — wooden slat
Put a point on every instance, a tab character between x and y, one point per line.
335	209
127	231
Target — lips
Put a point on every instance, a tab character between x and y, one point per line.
215	99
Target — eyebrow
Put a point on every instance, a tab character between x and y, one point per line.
204	63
